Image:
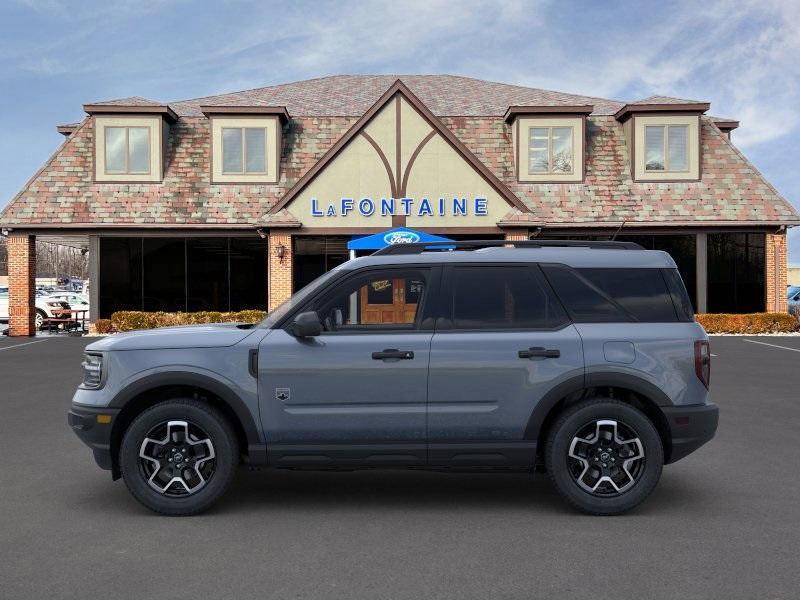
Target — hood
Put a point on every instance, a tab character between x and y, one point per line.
213	335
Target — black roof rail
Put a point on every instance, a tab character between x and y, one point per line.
419	247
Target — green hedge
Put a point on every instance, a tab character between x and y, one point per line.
751	323
128	320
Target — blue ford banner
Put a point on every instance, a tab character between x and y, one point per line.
398	235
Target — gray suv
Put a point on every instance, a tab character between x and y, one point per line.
581	359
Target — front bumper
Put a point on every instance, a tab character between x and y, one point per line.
690	427
93	426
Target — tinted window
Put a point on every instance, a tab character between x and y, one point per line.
502	297
641	292
680	299
585	302
380	300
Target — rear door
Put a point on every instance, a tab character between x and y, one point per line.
502	342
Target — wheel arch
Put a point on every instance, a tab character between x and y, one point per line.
152	389
633	390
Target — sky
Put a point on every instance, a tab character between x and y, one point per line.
742	56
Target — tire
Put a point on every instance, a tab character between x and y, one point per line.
39	318
197	433
583	456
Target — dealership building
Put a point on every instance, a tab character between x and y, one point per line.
234	201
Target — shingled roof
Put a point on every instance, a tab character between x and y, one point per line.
731	191
352	95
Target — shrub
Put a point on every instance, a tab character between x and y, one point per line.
103	326
128	320
752	323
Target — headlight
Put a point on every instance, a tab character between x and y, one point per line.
53	304
92	371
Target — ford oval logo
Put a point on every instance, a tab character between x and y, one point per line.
401	237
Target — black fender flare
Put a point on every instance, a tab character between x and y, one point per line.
193	379
591	380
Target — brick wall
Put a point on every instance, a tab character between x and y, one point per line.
21	284
517	234
279	283
775	273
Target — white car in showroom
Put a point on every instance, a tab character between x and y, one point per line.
46	307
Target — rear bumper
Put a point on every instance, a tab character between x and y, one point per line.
690	427
95	434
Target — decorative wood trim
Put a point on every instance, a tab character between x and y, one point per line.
515	111
412	158
384	160
629	109
399	87
131	109
279	111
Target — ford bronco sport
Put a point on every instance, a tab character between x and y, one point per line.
579	358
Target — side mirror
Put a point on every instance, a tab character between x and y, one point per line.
306	324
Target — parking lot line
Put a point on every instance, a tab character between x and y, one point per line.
773	345
20	345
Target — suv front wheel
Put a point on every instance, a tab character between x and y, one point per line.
178	457
604	456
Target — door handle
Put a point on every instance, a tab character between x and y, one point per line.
539	352
393	353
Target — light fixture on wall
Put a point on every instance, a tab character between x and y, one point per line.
280	252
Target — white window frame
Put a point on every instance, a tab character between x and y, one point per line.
272	132
635	134
158	132
244	171
521	138
127	129
665	148
550	170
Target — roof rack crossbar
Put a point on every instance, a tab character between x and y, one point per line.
420	247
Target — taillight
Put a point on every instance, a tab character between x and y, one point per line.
702	361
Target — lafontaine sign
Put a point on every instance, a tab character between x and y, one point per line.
422	207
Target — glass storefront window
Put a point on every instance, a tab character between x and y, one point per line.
735	272
180	274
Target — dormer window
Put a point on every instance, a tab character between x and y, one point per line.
666	148
130	140
244	150
550	150
127	150
245	143
663	138
548	142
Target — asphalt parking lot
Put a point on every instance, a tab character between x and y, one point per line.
723	522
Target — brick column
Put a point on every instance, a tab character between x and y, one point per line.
279	284
21	284
517	234
775	273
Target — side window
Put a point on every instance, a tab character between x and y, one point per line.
680	298
584	301
502	298
642	292
381	300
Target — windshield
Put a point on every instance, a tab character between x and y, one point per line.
297	298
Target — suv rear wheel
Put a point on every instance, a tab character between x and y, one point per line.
178	457
604	456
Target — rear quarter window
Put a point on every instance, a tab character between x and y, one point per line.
603	295
642	292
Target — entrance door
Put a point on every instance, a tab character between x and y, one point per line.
502	343
390	301
357	393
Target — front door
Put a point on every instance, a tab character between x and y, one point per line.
389	301
502	343
357	393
